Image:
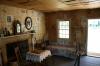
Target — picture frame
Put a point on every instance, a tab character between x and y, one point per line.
9	18
28	23
16	27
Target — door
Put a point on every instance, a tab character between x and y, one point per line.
93	43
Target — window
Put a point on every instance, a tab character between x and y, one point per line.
63	29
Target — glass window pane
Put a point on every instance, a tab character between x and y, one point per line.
60	35
61	23
63	36
60	31
63	27
67	36
64	31
67	31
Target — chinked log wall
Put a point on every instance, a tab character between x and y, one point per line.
11	39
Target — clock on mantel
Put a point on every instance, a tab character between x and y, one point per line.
16	27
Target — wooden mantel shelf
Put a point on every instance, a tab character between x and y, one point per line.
12	39
16	35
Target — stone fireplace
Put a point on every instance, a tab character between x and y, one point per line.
13	41
10	49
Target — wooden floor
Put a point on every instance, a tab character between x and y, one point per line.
63	61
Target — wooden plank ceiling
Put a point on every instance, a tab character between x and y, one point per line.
53	5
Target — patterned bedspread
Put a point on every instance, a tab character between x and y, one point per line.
38	55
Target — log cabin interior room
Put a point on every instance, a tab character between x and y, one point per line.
49	32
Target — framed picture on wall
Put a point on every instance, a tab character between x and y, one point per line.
28	23
9	18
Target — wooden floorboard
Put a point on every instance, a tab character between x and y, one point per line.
63	61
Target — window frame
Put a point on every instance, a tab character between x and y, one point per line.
58	28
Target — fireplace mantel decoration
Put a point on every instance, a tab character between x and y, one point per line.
11	39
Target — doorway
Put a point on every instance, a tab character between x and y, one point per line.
93	43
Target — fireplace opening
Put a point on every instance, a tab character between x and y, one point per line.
10	48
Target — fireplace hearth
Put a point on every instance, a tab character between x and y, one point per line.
23	46
16	40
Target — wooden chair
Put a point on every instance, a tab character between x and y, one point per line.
20	61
